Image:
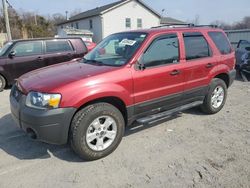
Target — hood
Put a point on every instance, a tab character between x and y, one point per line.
56	76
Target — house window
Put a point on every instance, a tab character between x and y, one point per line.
77	25
128	22
72	25
90	24
139	23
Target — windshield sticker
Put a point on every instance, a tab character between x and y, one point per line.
127	42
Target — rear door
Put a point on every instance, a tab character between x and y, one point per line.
28	56
199	62
58	51
160	85
241	49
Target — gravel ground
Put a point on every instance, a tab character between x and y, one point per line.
189	150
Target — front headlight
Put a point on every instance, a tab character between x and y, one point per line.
42	100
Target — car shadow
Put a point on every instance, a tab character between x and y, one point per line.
15	142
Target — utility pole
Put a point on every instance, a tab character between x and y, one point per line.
66	12
7	23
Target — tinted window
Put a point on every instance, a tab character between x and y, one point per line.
196	46
58	46
5	48
221	42
164	50
28	48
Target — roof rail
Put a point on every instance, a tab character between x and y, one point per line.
184	25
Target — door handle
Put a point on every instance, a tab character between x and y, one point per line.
209	65
39	58
175	72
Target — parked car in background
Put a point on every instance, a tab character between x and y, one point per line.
241	50
142	76
21	56
90	45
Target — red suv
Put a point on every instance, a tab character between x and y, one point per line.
141	76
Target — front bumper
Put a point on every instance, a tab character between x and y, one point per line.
232	76
50	126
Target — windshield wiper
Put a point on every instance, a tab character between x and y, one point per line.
92	61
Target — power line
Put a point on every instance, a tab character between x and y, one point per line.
9	4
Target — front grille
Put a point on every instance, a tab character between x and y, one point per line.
16	93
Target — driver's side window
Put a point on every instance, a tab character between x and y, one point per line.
162	51
28	48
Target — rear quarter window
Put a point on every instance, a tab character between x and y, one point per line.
79	45
221	42
58	46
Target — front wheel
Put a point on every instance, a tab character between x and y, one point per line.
96	131
2	83
216	97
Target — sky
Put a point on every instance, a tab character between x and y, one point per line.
229	11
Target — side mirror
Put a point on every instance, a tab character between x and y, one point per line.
12	54
139	65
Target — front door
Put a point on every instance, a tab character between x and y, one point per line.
160	85
26	56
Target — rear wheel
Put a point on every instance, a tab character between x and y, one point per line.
216	97
2	83
96	131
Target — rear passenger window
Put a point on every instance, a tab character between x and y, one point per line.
196	46
221	42
58	46
164	50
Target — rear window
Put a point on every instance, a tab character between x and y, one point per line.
221	42
196	46
58	46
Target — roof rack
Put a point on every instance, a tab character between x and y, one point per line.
183	25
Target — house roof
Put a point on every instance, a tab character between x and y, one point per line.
103	9
169	20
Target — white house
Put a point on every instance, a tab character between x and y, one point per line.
115	17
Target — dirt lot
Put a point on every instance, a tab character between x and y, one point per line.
191	150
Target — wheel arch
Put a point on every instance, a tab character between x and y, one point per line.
224	77
115	101
5	78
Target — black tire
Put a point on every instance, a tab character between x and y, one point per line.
207	106
81	123
2	83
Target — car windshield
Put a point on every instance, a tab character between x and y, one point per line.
116	50
5	48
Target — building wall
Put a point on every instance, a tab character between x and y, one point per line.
85	24
236	35
114	20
